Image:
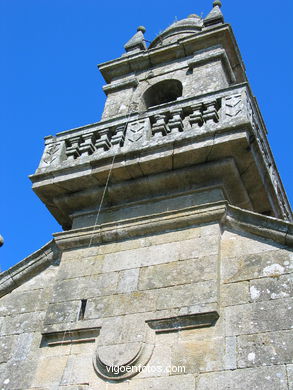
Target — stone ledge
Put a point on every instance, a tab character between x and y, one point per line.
28	267
71	336
109	88
229	216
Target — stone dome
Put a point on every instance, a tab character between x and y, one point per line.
178	30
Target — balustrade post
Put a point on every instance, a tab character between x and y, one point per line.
103	142
72	151
160	127
87	146
210	113
196	119
175	123
119	137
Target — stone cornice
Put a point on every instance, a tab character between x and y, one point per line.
28	268
228	216
183	48
267	227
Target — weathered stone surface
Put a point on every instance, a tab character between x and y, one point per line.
17	375
187	295
265	349
271	288
230	357
44	280
158	254
116	305
25	302
6	348
235	245
49	372
76	267
290	375
199	355
175	273
87	287
62	312
78	371
128	280
184	382
259	317
267	263
162	358
22	323
234	293
261	378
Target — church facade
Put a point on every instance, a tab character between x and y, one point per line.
174	268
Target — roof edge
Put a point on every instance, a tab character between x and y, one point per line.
28	267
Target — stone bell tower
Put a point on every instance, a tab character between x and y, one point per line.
174	269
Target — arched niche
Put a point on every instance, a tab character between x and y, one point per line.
163	92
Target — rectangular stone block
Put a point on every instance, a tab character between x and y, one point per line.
26	346
271	288
246	266
261	378
265	349
25	302
128	280
85	287
235	245
63	312
17	375
6	348
159	254
78	267
43	280
234	293
123	260
49	372
187	295
115	305
176	273
199	355
22	323
79	370
161	357
259	317
184	382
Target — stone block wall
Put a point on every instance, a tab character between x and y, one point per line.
152	292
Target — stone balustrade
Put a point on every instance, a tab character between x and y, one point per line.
191	119
166	120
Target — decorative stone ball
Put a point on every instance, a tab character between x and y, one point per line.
141	28
217	3
1	240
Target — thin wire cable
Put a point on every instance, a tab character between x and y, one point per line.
108	177
102	200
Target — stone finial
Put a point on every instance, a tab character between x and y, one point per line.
215	16
217	3
137	42
141	28
1	240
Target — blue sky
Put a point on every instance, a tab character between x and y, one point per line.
49	83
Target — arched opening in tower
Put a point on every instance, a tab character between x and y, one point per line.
162	92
